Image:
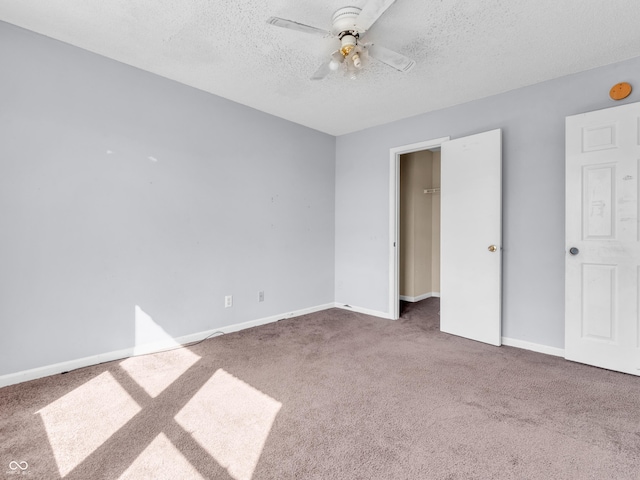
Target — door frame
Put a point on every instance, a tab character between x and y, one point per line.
394	217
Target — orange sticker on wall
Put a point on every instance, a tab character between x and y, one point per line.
620	91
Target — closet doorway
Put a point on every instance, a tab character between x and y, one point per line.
419	235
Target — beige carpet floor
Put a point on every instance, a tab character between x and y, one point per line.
331	395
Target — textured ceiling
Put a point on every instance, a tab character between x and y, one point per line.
464	49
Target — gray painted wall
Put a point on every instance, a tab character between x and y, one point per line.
532	120
120	188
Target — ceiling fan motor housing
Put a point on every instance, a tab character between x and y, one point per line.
344	21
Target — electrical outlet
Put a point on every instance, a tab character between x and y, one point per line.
228	301
261	296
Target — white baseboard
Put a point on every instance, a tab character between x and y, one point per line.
35	373
366	311
534	347
56	368
47	370
419	297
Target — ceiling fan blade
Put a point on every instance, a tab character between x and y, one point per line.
391	58
299	27
322	72
372	12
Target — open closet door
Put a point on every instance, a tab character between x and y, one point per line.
471	237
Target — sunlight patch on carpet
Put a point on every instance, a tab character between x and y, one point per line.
160	460
154	373
231	420
82	420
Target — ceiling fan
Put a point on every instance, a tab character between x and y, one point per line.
349	24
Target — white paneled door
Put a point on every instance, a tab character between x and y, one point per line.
602	269
471	237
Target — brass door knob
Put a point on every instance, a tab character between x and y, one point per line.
492	248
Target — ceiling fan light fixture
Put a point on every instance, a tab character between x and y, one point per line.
347	44
346	50
356	61
337	59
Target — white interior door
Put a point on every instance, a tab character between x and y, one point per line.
602	267
471	237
